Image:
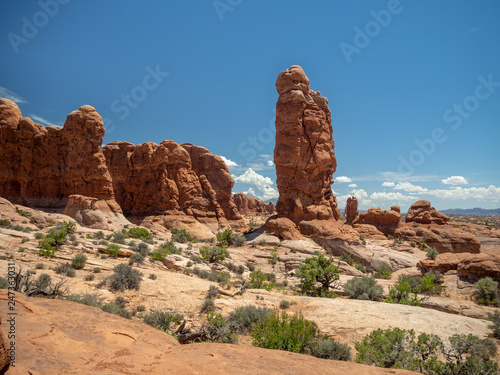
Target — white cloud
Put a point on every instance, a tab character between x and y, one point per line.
250	193
263	184
388	184
410	188
491	193
352	185
392	196
455	180
11	95
270	163
359	193
43	121
343	179
229	163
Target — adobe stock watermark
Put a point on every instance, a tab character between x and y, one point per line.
364	36
250	147
455	115
224	6
30	26
130	100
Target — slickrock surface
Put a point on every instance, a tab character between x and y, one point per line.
304	152
58	337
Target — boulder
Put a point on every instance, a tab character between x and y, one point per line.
385	221
283	228
422	212
304	152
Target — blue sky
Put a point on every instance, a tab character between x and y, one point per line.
413	86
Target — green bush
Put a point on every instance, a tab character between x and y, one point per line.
432	253
162	320
239	240
213	254
364	288
250	266
65	269
346	257
317	270
403	293
78	261
218	329
4	284
495	326
161	252
89	277
284	332
112	250
362	239
257	280
4	223
181	236
242	318
284	304
118	237
486	291
141	233
51	242
124	277
98	235
136	258
383	272
225	238
117	308
330	349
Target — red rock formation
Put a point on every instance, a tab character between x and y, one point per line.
42	166
250	205
385	221
422	212
217	174
470	266
351	210
304	153
4	355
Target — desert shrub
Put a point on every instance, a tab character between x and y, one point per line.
4	223
141	248
153	276
213	292
39	235
495	323
240	270
432	253
161	252
412	244
257	279
65	269
225	238
89	277
116	309
213	254
86	299
112	250
242	318
196	258
138	232
239	240
208	305
4	284
72	237
383	272
221	278
51	242
40	266
181	236
330	349
118	237
218	329
346	257
162	320
250	266
96	270
317	270
98	235
68	226
364	288
140	308
273	259
78	261
362	239
284	332
124	277
403	293
284	304
486	291
137	258
25	239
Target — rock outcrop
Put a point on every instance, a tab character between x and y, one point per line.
422	212
470	266
386	221
351	210
50	342
4	349
171	181
43	166
217	174
249	205
304	152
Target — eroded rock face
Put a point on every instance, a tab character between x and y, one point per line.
160	180
422	212
304	152
351	210
42	166
217	174
250	205
4	357
385	221
470	266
